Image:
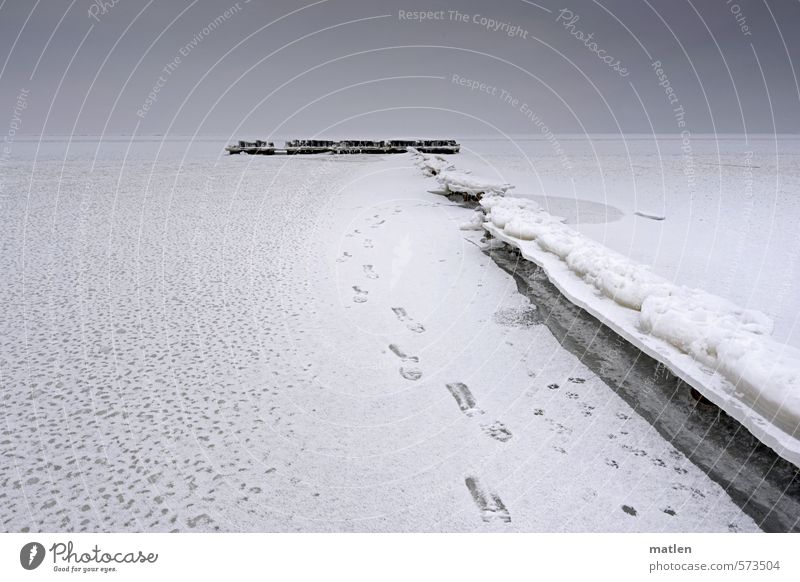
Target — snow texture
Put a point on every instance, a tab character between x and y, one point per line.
735	342
181	351
731	340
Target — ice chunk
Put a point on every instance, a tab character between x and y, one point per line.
471	186
717	333
474	223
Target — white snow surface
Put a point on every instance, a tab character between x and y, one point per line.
723	336
257	343
722	218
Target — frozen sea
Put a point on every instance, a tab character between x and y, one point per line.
197	342
718	213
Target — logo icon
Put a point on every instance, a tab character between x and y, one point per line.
31	555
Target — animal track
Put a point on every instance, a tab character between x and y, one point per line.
634	451
497	430
403	316
408	372
557	427
369	272
489	504
368	243
577	380
344	257
361	295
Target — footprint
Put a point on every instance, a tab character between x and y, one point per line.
577	380
463	397
361	295
368	243
401	354
402	315
497	430
369	272
344	257
489	504
412	374
408	372
377	224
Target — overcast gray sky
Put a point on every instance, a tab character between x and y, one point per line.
336	67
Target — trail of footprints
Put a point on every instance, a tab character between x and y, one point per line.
360	295
489	504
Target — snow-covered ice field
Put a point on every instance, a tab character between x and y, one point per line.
199	343
719	213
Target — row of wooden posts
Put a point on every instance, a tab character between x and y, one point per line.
350	146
